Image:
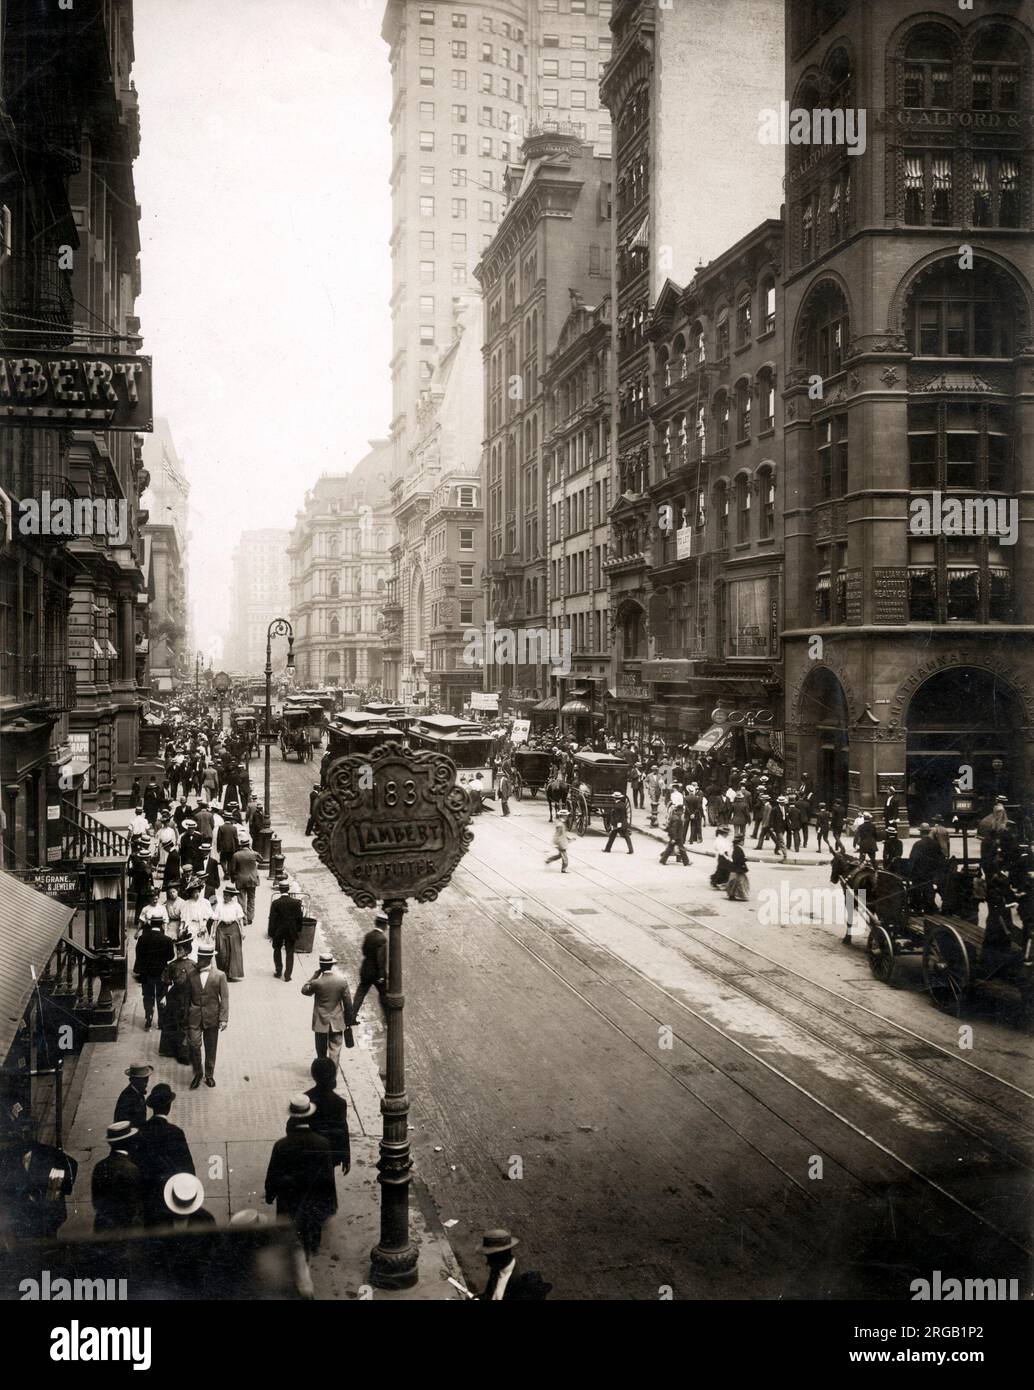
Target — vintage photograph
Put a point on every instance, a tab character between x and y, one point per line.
448	450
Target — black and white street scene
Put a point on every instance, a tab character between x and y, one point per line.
516	680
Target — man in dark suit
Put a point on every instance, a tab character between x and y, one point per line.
154	950
300	1176
331	1008
892	807
331	1117
116	1187
285	924
226	845
208	1013
130	1104
505	1284
374	968
617	823
159	1151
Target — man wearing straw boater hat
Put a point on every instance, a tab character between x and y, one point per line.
331	1007
182	1197
208	1014
300	1176
504	1283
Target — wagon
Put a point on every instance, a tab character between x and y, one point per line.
956	953
597	776
531	769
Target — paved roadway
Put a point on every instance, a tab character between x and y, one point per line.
657	1092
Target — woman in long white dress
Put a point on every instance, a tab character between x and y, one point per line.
195	918
229	934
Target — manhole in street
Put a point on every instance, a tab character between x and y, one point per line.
583	912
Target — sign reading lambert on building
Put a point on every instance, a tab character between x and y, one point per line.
392	824
103	390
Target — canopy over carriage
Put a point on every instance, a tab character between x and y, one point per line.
596	777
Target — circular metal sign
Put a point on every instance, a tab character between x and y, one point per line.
391	823
222	681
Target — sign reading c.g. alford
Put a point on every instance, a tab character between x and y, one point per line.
391	823
98	390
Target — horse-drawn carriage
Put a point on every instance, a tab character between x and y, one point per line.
530	770
958	952
597	776
301	730
244	728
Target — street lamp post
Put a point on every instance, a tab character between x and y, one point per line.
279	627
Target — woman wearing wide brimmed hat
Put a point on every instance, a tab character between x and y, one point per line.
229	934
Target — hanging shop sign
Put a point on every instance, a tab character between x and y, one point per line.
102	391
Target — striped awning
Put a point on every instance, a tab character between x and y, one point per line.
641	240
31	925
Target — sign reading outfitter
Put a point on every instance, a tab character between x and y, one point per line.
108	391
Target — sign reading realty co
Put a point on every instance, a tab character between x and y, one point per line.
99	390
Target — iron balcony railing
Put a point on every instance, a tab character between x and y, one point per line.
46	685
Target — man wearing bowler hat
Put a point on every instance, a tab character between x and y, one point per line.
331	1007
504	1283
115	1188
207	1015
160	1150
617	823
285	925
130	1104
374	968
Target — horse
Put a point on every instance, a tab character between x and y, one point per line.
556	794
854	878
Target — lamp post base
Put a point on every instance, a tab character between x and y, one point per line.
393	1269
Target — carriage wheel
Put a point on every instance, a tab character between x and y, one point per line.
946	969
578	817
628	810
879	950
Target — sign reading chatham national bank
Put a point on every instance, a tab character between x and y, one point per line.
98	390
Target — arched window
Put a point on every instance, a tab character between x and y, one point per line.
743	410
766	490
962	313
768	304
335	587
766	399
827	331
929	55
996	71
632	634
721	335
721	512
721	418
335	626
743	321
742	510
332	546
838	73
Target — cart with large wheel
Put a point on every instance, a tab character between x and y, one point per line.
596	777
531	769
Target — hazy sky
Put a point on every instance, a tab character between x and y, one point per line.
263	179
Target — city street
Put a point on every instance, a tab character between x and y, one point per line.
657	1093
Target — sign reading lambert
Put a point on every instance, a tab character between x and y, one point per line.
110	391
391	824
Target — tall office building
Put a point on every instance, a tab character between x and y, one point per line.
469	82
166	502
260	592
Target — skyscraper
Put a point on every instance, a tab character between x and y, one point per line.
261	591
469	82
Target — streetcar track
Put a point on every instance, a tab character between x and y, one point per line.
881	1019
707	1023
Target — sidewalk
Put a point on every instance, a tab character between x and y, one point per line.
264	1057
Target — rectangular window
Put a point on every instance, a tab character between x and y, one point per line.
466	576
466	538
426	48
459	48
578	41
486	82
427	272
459	207
459	178
459	79
427	174
550	67
427	332
487	211
459	144
427	305
466	496
427	110
427	241
485	146
459	275
487	117
578	69
459	21
427	206
578	6
750	621
459	241
427	17
459	115
550	40
427	77
427	140
578	100
550	96
467	612
486	52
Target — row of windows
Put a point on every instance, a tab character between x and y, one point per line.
949	580
935	75
458	208
428	273
486	146
487	26
458	49
934	199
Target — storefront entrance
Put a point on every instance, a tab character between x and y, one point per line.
962	718
824	715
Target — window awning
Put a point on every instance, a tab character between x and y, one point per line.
31	925
575	707
641	240
551	704
714	737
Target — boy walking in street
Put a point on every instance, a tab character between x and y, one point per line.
561	839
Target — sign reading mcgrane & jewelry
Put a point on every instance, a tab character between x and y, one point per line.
108	390
391	824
